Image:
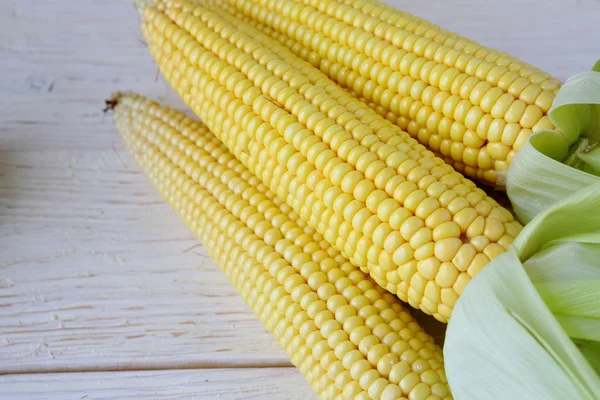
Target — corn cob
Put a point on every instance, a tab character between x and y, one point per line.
477	111
349	337
418	227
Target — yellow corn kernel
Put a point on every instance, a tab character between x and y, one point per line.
449	229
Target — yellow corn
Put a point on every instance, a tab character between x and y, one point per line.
349	337
473	105
419	228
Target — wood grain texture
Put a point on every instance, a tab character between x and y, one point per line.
96	272
63	59
222	384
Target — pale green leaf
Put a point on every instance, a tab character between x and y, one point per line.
580	328
536	177
580	298
591	350
591	160
590	238
566	274
576	108
554	164
582	259
575	214
503	342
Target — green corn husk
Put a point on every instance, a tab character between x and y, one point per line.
528	326
552	165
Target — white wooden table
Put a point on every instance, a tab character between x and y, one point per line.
104	294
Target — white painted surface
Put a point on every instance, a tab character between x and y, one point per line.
209	384
96	273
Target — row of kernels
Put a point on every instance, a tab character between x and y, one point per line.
434	142
426	29
414	65
528	117
505	138
445	146
441	36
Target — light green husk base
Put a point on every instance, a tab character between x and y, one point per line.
554	164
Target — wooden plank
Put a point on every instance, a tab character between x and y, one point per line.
223	384
98	273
